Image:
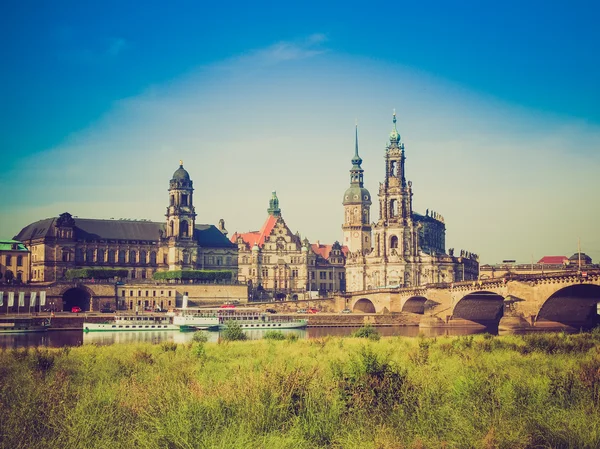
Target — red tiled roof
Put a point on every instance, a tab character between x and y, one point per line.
324	250
257	237
554	260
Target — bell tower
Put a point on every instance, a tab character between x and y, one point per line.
357	205
181	221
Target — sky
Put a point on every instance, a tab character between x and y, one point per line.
497	105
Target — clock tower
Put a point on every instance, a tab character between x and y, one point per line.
357	204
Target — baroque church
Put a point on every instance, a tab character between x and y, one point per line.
402	248
141	247
276	263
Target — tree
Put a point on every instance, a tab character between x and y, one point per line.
9	276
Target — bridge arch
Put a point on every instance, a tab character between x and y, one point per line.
574	305
76	296
483	307
364	305
415	304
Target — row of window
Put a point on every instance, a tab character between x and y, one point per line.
111	256
8	260
147	293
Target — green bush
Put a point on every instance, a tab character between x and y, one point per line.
197	275
200	337
233	332
95	273
367	331
274	335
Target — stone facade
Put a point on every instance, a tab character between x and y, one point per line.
276	263
14	262
406	249
141	247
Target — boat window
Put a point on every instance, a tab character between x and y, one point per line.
126	327
113	326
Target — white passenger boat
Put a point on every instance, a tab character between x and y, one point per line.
133	323
246	317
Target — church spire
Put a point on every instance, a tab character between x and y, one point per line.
274	205
356	173
394	135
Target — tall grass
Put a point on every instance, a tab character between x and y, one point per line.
539	391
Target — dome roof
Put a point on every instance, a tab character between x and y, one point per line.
181	173
356	195
584	258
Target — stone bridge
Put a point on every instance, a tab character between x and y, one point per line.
567	298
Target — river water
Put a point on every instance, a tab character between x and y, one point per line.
57	339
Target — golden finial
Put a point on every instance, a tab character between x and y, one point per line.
180	162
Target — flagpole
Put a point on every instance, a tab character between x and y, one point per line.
579	252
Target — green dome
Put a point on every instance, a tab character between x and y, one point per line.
181	173
356	195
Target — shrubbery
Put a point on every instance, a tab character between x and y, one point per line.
196	275
95	273
367	331
233	332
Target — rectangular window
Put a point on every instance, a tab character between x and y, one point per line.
330	275
169	295
122	292
130	292
330	286
153	292
147	294
139	293
8	260
322	275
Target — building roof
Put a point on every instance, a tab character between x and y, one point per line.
554	260
256	237
7	245
100	229
324	250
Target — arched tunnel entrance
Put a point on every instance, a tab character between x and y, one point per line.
485	308
76	297
575	306
364	305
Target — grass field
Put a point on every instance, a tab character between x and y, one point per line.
535	391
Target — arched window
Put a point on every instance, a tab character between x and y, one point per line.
100	256
172	203
171	227
111	256
142	257
132	256
394	208
122	256
186	258
366	216
78	255
394	242
393	168
183	228
19	261
153	258
89	256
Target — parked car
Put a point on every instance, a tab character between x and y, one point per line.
227	306
271	311
346	311
75	309
106	310
301	311
312	310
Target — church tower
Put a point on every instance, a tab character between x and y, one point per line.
357	204
395	230
181	220
274	205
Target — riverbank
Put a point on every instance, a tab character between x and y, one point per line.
476	391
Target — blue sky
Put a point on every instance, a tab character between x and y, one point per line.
498	107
